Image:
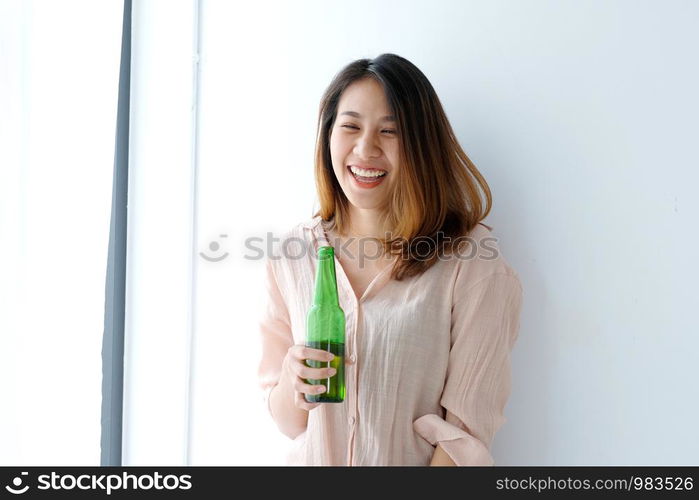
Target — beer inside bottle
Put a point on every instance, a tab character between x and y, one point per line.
325	329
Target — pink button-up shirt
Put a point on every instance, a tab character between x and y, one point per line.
431	354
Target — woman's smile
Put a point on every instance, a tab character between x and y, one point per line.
366	182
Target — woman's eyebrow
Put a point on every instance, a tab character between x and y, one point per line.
387	118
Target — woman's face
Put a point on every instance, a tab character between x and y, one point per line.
365	138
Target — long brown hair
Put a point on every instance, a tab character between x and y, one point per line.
439	190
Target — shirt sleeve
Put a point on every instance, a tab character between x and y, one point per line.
485	325
275	332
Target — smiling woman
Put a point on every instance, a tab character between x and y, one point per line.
367	94
428	343
384	132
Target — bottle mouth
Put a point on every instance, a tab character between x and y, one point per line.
325	252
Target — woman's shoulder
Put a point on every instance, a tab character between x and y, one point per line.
480	256
294	241
302	228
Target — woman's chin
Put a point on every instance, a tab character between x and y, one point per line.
365	199
364	204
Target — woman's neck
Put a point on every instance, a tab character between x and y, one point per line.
366	223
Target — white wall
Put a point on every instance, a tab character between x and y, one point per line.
582	116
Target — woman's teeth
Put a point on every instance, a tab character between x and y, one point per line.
366	173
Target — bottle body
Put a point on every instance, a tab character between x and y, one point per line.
325	330
323	325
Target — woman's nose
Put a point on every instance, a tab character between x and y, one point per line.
366	148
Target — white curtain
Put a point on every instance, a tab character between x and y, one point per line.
159	269
59	75
207	81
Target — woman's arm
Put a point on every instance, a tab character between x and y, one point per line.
485	324
287	402
274	369
290	419
441	458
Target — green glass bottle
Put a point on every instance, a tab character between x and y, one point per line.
325	329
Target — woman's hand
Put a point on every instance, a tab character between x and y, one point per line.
295	370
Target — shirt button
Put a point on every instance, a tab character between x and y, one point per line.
351	420
352	358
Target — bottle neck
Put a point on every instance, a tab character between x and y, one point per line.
326	282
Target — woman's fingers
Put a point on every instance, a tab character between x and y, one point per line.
300	386
301	402
301	352
297	356
304	371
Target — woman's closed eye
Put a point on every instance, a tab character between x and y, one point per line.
385	130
